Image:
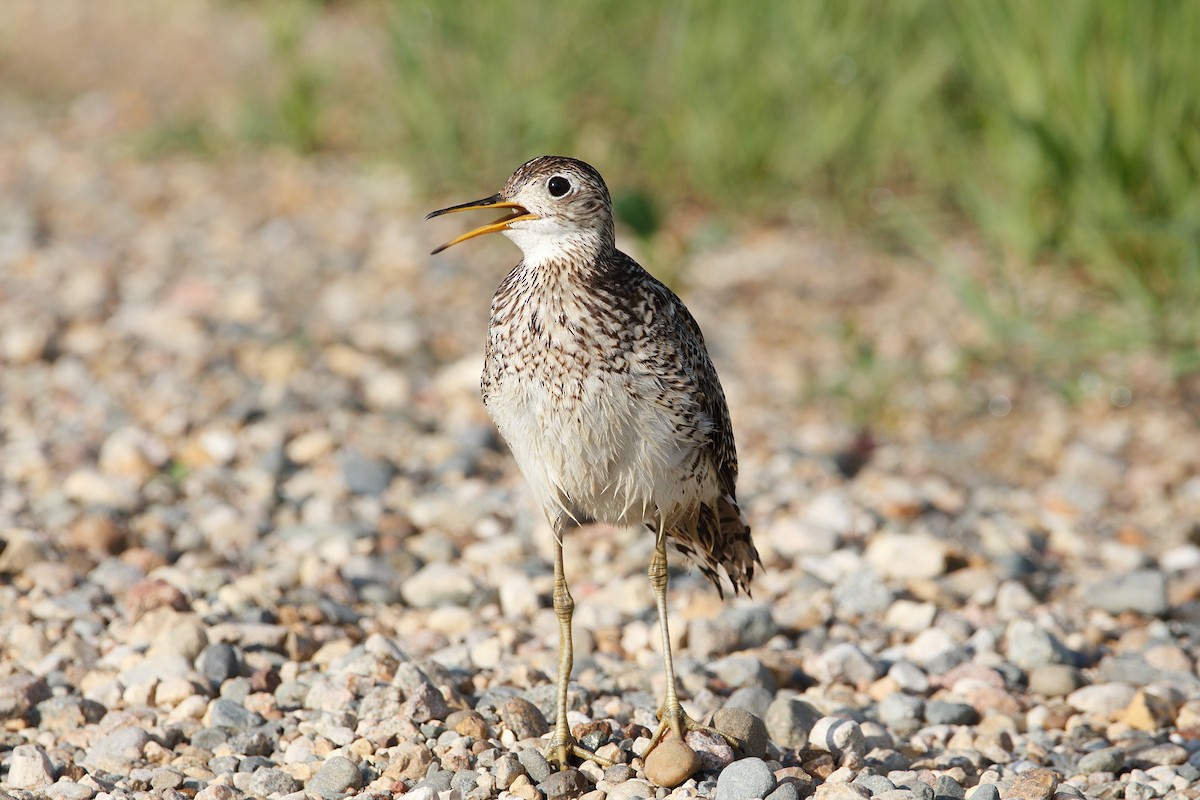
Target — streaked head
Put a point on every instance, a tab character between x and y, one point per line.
557	206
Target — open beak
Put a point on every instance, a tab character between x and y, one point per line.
517	212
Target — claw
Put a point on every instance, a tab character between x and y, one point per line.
560	751
678	722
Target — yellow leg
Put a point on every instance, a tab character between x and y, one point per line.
562	744
671	715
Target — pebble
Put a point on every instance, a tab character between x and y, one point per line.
789	720
29	767
524	719
748	730
1142	591
238	562
1107	759
671	763
335	777
744	780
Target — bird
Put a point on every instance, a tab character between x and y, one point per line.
599	380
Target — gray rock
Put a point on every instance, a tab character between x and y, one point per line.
747	779
789	720
843	738
226	713
69	790
535	764
1028	646
1143	591
876	784
847	663
336	776
948	789
118	750
219	662
901	711
425	703
1109	759
754	699
754	624
365	474
270	780
985	791
946	712
861	594
438	780
568	783
742	670
62	714
785	791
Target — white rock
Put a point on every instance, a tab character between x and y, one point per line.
30	767
906	556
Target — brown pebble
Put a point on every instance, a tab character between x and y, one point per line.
1033	784
98	534
468	723
1147	712
524	719
671	763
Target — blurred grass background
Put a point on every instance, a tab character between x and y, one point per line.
1059	136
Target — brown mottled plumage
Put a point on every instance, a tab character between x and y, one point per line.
598	378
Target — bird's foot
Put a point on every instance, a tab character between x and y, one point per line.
676	720
563	747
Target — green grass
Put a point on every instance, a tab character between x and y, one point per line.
1062	135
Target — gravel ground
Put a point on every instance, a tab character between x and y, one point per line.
259	538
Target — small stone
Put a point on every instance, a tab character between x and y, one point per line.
226	713
787	790
714	751
20	694
1147	712
1102	699
29	767
335	777
841	737
745	780
219	662
906	556
671	763
740	670
62	714
1038	783
847	663
632	789
468	723
524	719
985	791
535	764
1028	646
947	788
365	474
271	781
861	594
69	790
218	791
1054	680
1109	759
436	584
754	699
506	770
842	791
748	730
789	720
1142	591
567	783
901	711
118	750
425	703
945	712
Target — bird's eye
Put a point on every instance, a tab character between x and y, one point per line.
558	186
